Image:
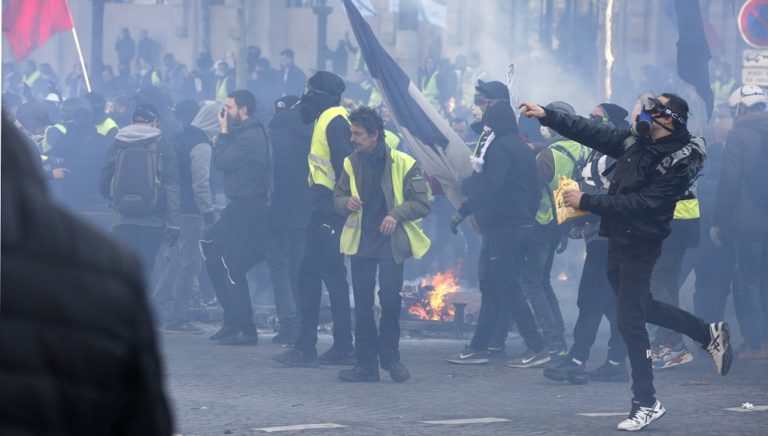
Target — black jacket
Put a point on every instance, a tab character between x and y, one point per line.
649	177
507	191
77	345
737	205
243	156
290	138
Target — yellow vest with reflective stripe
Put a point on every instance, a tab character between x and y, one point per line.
47	145
107	125
320	168
563	167
352	232
687	209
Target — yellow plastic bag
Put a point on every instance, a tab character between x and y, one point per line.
563	212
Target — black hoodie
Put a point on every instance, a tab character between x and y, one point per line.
506	192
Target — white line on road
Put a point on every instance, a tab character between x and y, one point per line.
467	421
599	414
742	410
299	427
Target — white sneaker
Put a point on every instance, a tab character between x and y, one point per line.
720	347
641	416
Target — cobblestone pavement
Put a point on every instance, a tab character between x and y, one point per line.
239	390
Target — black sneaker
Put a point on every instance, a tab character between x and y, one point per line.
296	359
224	331
336	357
182	327
610	371
642	415
397	371
283	338
469	356
530	359
359	374
240	337
719	347
570	370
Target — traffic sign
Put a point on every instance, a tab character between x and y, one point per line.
753	23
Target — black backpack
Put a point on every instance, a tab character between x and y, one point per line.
136	188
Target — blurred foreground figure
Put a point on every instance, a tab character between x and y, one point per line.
85	360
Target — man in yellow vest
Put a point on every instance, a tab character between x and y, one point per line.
322	262
383	194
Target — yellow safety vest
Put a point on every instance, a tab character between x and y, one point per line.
375	100
221	90
32	78
321	170
687	209
722	91
563	167
352	232
47	145
391	139
430	90
155	78
107	125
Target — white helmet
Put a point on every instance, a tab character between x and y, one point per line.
747	95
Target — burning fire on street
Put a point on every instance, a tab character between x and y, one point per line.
431	295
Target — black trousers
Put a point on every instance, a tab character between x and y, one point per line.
537	286
502	257
323	263
665	287
595	300
370	344
233	294
629	271
145	241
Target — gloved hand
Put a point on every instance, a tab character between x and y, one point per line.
172	234
456	219
563	245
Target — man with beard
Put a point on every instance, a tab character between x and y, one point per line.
236	243
322	262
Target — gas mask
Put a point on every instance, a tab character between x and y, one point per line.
650	109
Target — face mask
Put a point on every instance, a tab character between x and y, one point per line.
546	132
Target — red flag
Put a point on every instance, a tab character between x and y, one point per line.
29	23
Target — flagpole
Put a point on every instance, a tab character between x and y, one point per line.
79	50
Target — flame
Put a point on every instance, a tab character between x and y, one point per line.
563	277
608	51
433	306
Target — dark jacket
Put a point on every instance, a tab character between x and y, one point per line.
507	191
77	346
290	138
743	160
293	80
81	151
243	156
649	177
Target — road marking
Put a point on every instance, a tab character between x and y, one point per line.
742	410
299	427
466	421
599	414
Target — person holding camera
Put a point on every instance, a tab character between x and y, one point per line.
657	161
238	240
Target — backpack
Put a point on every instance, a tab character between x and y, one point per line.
136	187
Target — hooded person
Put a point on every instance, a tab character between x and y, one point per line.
324	263
288	212
179	280
503	194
